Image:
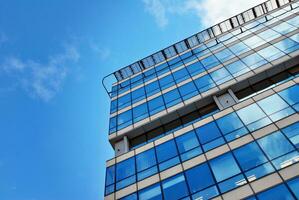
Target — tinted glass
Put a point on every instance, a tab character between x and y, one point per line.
279	192
151	193
208	132
145	160
174	187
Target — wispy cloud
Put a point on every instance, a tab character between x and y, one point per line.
103	52
158	10
41	80
209	12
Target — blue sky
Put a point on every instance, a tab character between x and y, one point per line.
53	108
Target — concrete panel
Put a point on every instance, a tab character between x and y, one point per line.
283	86
110	197
223	113
239	193
144	148
171	172
203	122
217	151
125	156
243	104
193	162
148	181
183	130
126	191
240	141
163	139
110	162
290	172
263	95
287	121
264	131
265	182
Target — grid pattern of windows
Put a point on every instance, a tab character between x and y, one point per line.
234	169
221	54
272	152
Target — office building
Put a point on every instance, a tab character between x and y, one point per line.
214	116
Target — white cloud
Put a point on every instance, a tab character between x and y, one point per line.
103	52
158	10
209	12
41	80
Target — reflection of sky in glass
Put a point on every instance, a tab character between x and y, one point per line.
250	114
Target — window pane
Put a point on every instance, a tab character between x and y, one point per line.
152	88
239	48
287	45
249	156
187	142
110	173
254	42
294	185
156	105
124	119
188	90
181	75
284	28
253	117
145	160
254	61
166	82
224	55
270	53
199	177
210	62
220	76
292	132
175	187
195	68
138	95
172	98
237	68
124	101
208	132
125	169
204	83
275	145
151	193
229	123
279	192
166	151
130	197
140	112
224	167
291	96
272	104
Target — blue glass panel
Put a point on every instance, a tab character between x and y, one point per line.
199	177
187	142
130	197
237	68
254	41
224	55
269	35
166	82
224	167
249	156
284	28
152	88
110	175
294	21
287	45
125	182
191	153
175	187
145	160
292	132
125	169
210	62
151	193
124	119
254	61
166	151
294	185
206	194
290	95
172	97
109	189
112	125
113	106
138	95
204	83
253	117
156	105
147	173
279	192
195	68
188	90
124	101
259	172
232	183
286	160
208	132
214	143
229	123
239	48
275	145
221	75
140	112
272	105
270	53
181	75
169	163
295	37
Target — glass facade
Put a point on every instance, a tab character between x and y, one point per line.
210	151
